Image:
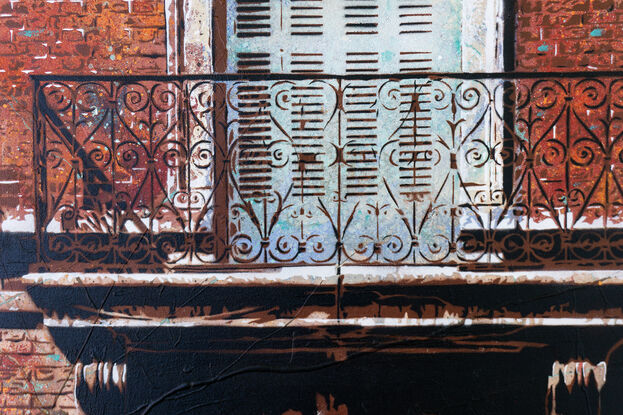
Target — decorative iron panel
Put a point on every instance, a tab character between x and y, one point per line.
234	171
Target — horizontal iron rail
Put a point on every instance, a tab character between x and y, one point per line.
302	77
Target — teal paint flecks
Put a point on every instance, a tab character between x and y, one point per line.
391	42
300	223
447	36
597	32
30	33
543	48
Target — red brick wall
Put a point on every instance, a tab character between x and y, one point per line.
569	35
64	37
35	378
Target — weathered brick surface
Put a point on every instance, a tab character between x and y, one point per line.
569	35
35	378
64	37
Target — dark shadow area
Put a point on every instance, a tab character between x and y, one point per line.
480	300
123	252
23	320
516	249
18	250
228	302
229	370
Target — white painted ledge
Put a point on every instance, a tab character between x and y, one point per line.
424	275
270	276
406	321
327	275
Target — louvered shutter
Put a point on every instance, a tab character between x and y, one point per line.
345	37
341	37
339	143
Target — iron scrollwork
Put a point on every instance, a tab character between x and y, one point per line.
156	174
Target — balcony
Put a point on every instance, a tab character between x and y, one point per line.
476	171
370	186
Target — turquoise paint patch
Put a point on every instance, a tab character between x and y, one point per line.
30	33
387	56
597	32
522	135
476	51
543	48
55	357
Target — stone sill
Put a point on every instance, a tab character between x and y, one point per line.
327	275
363	296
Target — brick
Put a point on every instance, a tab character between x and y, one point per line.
6	374
568	24
9	49
51	387
23	373
34	34
5	35
145	7
606	5
16	347
45	373
40	336
16	387
44	400
146	21
73	64
72	35
43	348
52	361
37	25
41	21
18	401
35	411
72	7
13	335
145	35
121	7
18	9
63	49
146	49
64	372
66	401
12	22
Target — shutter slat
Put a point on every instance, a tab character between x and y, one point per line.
254	134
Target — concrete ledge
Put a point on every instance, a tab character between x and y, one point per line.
311	297
321	322
328	275
426	275
275	276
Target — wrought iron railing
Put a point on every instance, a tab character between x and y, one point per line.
479	171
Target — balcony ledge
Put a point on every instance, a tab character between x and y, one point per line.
328	275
